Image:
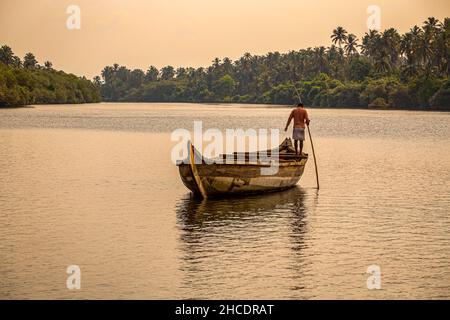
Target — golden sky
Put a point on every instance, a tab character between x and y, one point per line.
139	33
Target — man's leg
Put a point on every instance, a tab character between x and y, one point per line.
301	147
296	146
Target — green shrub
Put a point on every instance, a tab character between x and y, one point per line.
345	96
378	103
441	99
423	89
400	97
20	86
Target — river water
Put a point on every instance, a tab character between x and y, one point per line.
94	186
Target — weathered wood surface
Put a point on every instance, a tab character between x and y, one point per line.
237	179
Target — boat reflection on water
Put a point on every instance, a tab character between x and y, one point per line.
193	211
235	245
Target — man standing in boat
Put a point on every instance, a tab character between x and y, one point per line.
300	116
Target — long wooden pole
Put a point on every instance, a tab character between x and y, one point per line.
314	156
310	139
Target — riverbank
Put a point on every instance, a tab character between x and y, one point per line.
27	82
387	70
230	104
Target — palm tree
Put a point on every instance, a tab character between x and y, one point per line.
383	49
107	73
48	65
320	58
443	46
382	64
390	45
167	73
227	65
422	42
441	52
351	45
431	25
244	72
446	25
335	57
273	59
151	74
433	44
407	49
425	49
416	31
370	43
416	35
339	36
216	63
97	81
247	56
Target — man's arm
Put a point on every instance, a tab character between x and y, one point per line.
307	118
289	121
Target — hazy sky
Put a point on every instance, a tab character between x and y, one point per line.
139	33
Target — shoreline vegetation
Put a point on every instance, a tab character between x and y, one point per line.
383	70
26	82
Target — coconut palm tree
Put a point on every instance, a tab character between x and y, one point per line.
227	65
351	45
444	46
216	63
107	73
442	52
48	65
424	48
370	42
151	74
407	49
431	25
97	81
339	36
320	58
390	45
335	57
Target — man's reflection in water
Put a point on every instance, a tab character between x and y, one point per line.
220	237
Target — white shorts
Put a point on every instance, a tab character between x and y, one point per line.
299	134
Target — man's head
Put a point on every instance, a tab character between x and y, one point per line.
300	105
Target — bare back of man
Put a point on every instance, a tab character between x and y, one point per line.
301	119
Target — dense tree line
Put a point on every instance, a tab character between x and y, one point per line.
384	69
27	82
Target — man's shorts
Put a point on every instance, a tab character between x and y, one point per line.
299	134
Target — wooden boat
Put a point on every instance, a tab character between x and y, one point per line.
220	178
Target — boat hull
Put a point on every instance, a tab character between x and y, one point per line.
236	179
